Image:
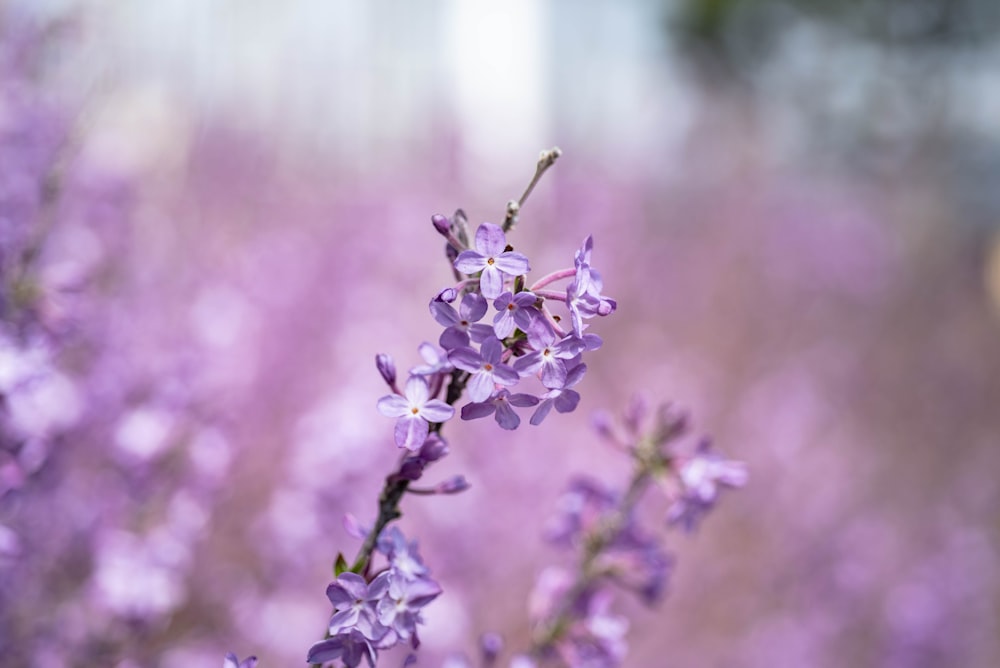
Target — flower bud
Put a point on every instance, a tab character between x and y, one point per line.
386	368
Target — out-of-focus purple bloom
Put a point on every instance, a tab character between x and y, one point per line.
563	399
514	311
492	259
701	476
550	586
436	361
403	556
414	411
597	640
399	609
453	485
500	406
486	368
354	527
350	647
548	355
231	661
462	325
522	661
490	646
580	509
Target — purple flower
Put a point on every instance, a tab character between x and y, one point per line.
354	603
563	399
414	411
459	325
231	661
350	647
583	295
402	556
514	310
492	259
399	609
435	358
548	355
700	477
499	405
485	367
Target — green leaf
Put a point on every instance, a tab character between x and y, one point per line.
340	566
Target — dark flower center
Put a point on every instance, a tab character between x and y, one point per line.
490	261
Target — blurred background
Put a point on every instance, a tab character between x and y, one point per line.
214	214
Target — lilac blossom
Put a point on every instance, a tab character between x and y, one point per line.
700	477
350	647
402	555
354	602
515	311
492	259
583	295
500	406
462	325
399	609
563	399
436	361
548	355
486	368
414	411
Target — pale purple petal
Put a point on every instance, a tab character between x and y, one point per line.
473	307
481	386
490	239
469	262
436	410
554	373
528	364
480	333
492	350
417	391
491	282
505	375
514	264
410	432
393	405
444	314
466	359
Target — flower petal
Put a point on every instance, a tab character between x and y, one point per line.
393	405
491	282
436	410
480	387
490	240
469	262
477	410
410	432
512	263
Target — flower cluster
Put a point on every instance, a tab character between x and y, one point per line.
571	610
369	616
525	339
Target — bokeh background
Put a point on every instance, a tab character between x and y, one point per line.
214	214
